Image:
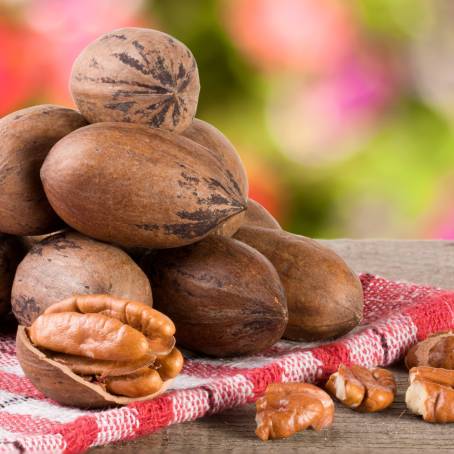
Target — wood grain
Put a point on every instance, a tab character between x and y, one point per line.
394	430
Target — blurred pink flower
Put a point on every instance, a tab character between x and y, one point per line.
445	229
438	223
319	119
18	66
66	27
291	34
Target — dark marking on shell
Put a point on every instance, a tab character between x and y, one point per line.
114	35
160	116
58	242
206	220
26	308
122	106
190	178
93	63
147	227
133	63
181	71
190	230
233	182
161	73
176	114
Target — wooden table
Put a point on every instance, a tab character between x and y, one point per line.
395	430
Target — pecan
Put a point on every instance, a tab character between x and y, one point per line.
436	351
431	394
124	347
362	389
292	407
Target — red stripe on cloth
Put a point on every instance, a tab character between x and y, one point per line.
26	424
19	385
262	377
153	415
7	346
331	356
79	434
433	315
201	369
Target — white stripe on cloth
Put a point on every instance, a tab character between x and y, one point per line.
229	391
39	444
190	404
188	381
116	424
28	406
301	366
399	333
365	348
12	367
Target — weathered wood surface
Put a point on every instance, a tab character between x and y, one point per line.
395	430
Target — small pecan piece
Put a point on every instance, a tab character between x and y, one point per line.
363	389
436	351
292	407
431	394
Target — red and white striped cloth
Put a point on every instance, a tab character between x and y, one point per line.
396	316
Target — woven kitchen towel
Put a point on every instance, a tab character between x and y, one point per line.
396	316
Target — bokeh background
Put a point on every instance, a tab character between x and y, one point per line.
343	110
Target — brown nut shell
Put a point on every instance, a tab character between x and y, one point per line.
435	351
139	186
11	253
224	297
58	382
70	264
224	152
259	216
137	75
324	297
26	138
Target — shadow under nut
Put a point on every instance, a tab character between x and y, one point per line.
11	253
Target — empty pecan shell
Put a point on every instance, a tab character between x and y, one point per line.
95	351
